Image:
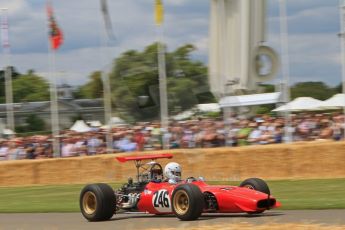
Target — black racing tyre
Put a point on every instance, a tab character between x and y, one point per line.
97	202
256	184
187	202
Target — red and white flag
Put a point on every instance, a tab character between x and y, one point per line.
55	33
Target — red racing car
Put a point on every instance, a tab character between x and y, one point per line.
187	199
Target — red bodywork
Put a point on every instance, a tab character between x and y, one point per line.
156	197
230	199
144	157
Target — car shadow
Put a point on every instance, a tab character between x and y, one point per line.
240	215
205	216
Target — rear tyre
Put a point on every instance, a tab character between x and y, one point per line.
97	202
256	184
187	202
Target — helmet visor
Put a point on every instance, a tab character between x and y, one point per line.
176	173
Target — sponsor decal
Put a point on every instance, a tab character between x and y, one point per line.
226	189
147	192
161	201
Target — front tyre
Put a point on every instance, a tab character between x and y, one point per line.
187	202
256	184
97	202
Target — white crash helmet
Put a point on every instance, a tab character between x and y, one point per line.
173	171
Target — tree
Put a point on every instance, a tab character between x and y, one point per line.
317	90
30	87
15	75
135	74
93	88
338	88
267	88
33	124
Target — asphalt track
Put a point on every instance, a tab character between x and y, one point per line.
75	221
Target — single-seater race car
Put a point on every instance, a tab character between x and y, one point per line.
186	199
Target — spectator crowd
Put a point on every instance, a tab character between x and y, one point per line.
199	133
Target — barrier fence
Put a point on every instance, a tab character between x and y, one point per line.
309	160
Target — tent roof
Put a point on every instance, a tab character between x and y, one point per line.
8	132
335	102
80	127
183	115
211	107
116	120
299	104
247	100
95	123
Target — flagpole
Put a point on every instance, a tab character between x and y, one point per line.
107	104
162	72
285	67
53	104
342	46
162	85
106	82
8	70
54	111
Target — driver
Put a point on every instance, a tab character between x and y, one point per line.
172	172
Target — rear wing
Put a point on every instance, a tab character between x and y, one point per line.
144	157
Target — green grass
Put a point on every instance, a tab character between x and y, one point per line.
59	198
310	194
293	194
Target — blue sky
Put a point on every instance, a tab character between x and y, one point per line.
313	28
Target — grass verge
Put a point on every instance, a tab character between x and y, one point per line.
293	194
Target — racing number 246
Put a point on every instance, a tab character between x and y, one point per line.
161	199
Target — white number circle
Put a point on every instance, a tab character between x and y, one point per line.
161	201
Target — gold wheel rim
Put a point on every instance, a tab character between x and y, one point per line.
181	202
89	202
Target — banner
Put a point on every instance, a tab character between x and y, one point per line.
159	12
107	20
4	32
55	33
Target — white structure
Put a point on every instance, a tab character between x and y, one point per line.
238	59
211	107
335	102
80	127
299	104
94	123
249	100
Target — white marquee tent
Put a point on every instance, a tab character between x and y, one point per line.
95	123
80	127
183	115
211	107
300	104
115	121
8	132
335	102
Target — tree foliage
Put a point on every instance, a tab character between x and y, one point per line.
30	87
317	90
136	74
93	88
338	88
15	75
33	124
